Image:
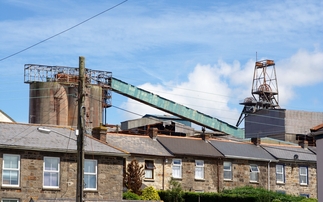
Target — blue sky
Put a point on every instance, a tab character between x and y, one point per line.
198	53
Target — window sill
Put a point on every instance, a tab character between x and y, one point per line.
51	188
228	180
10	187
177	178
253	182
149	180
304	185
280	183
90	190
198	179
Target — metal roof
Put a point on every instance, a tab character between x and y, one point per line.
287	152
137	144
57	139
188	146
241	150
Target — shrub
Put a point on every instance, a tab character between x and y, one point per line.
276	200
174	193
130	196
149	193
309	200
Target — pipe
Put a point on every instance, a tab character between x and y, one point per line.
268	171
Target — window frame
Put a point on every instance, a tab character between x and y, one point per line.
282	173
302	175
150	168
251	166
95	173
11	169
227	171
179	168
51	171
201	167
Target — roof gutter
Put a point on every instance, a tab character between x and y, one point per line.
250	158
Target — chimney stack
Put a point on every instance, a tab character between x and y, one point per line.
303	144
153	133
100	133
256	141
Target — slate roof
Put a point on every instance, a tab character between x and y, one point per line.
188	146
241	150
137	144
287	152
60	139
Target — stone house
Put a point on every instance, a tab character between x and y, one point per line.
149	153
317	133
40	164
295	171
195	163
243	164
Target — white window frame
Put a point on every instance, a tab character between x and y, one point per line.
95	173
254	170
149	169
227	170
11	170
303	175
177	168
9	200
51	172
199	169
280	171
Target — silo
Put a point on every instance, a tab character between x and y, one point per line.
56	103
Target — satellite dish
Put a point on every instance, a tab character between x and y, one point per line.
295	157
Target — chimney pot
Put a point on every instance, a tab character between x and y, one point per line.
256	141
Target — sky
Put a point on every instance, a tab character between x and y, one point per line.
200	54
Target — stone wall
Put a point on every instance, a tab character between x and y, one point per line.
292	185
110	174
241	174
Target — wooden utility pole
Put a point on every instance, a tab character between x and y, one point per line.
80	128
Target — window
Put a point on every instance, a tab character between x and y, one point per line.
280	174
51	172
254	173
177	168
303	175
305	195
90	174
199	169
149	169
11	170
227	170
9	200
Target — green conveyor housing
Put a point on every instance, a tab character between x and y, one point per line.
173	108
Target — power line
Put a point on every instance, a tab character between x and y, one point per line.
66	30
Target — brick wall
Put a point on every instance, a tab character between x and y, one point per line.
110	174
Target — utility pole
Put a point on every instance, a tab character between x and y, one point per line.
80	128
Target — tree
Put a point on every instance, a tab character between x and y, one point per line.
134	176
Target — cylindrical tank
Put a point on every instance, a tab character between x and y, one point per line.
56	103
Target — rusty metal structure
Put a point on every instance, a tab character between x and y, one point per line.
53	94
264	90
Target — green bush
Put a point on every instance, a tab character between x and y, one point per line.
309	200
130	196
174	193
149	193
276	200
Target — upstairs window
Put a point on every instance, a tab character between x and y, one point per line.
90	174
11	170
227	170
280	174
303	178
177	168
9	200
199	169
254	173
149	169
51	172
